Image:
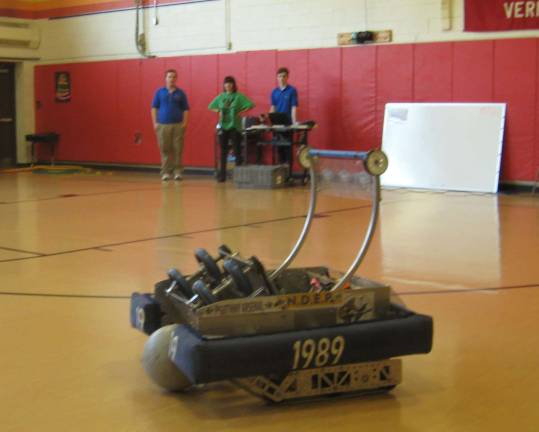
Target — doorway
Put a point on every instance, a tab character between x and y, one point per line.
8	152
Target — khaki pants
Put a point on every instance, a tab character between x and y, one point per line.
170	138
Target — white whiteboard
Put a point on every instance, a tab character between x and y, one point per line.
447	146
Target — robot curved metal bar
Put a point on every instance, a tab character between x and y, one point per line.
375	162
306	227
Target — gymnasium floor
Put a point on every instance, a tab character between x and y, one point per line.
74	247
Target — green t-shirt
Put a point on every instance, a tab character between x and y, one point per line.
230	105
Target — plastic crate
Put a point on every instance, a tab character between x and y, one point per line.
260	176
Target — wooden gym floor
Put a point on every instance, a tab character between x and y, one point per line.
74	247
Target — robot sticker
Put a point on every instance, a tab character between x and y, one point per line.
357	308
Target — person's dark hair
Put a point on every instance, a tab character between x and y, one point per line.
230	79
283	70
174	71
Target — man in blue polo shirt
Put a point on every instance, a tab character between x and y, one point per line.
284	99
170	112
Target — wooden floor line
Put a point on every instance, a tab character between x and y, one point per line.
65	196
126	297
83	296
57	197
21	251
525	207
457	291
203	231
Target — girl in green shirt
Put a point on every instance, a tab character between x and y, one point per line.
230	104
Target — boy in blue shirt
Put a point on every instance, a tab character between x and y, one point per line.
170	112
284	99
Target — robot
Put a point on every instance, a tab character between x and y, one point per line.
287	333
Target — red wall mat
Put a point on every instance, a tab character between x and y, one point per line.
127	148
107	135
433	78
95	108
202	128
359	98
325	97
473	71
77	118
394	78
261	79
515	80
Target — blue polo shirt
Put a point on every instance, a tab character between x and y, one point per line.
283	100
170	106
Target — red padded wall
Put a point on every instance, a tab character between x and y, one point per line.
433	80
261	78
359	99
94	86
325	97
473	71
344	89
205	85
515	78
129	106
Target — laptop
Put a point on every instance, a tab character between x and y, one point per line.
281	119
